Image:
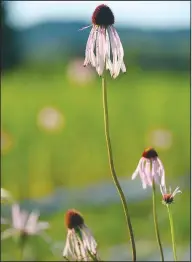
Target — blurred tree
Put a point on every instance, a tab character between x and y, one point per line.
9	49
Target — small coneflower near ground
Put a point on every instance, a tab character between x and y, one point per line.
168	199
80	244
150	168
104	43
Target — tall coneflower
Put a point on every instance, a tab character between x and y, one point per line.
104	51
151	171
80	244
104	48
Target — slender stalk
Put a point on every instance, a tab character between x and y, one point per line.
21	251
172	232
156	224
112	168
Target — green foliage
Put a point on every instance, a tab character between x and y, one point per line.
38	161
76	155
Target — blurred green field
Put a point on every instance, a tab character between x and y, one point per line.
36	161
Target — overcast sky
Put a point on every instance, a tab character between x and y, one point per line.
159	14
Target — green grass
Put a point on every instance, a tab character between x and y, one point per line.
38	161
76	155
108	226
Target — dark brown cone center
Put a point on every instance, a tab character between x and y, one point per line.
167	198
103	16
73	219
150	153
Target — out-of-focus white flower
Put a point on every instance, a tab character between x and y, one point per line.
161	138
50	119
168	197
150	168
24	223
5	195
80	244
104	43
78	74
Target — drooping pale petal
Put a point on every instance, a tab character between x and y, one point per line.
176	191
123	67
148	173
162	171
16	217
88	46
138	169
162	190
31	225
42	226
91	243
92	48
120	52
97	55
67	252
108	54
102	49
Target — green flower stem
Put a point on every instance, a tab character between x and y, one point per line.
112	168
172	232
21	251
156	223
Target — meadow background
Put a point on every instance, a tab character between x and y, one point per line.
53	150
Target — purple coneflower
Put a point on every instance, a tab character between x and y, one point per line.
80	244
104	43
168	197
150	168
24	224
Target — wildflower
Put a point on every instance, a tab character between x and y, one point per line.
50	119
150	168
168	197
80	244
79	75
24	224
5	195
104	42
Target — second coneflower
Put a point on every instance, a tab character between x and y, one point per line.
80	244
150	168
151	171
104	48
